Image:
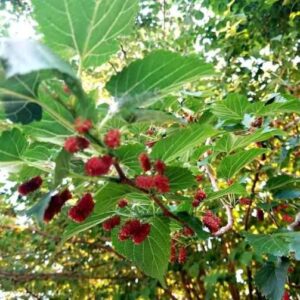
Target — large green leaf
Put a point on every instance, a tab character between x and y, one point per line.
233	107
12	145
271	279
230	142
180	142
56	123
235	189
153	77
88	29
128	156
62	165
277	244
152	256
106	199
231	164
26	64
180	178
284	187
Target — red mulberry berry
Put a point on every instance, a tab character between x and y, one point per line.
75	143
30	186
113	138
122	203
173	252
135	230
141	234
187	231
111	223
55	205
82	209
145	162
196	203
211	221
83	126
287	219
97	166
260	215
150	144
144	182
160	167
182	253
281	207
162	183
199	178
200	195
286	296
245	201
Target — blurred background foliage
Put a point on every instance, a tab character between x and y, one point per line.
255	45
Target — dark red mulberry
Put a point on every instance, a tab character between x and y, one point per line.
83	126
162	183
56	203
97	166
76	143
145	162
113	138
160	167
200	195
30	186
122	203
245	201
144	182
188	231
182	254
111	223
82	209
211	221
135	230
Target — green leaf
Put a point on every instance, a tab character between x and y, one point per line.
62	165
106	199
180	142
37	210
231	164
12	145
180	178
88	29
152	256
56	123
153	77
230	142
26	64
277	244
271	279
233	107
236	189
284	187
128	156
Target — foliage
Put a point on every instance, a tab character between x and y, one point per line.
149	114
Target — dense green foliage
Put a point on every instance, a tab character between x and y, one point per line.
211	88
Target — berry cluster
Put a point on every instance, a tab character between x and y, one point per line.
198	198
82	209
134	230
245	201
75	144
111	223
122	203
158	182
211	221
30	186
179	254
97	166
56	203
113	138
